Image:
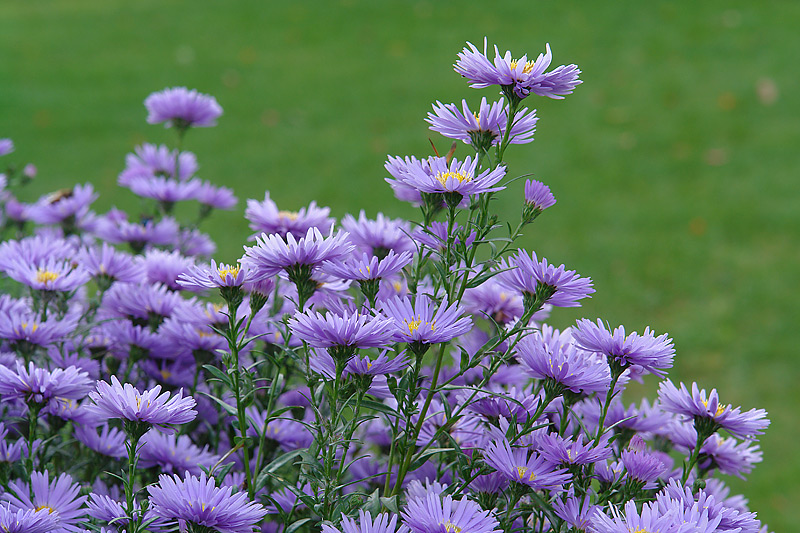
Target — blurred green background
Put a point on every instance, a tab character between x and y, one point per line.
673	165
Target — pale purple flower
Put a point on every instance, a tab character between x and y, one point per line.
194	243
433	514
60	497
165	190
50	275
201	277
558	286
454	177
348	330
165	267
729	456
59	206
6	146
322	363
520	76
538	195
174	454
265	217
573	451
573	512
653	354
697	404
163	232
28	327
110	441
367	267
651	518
182	108
399	170
435	236
425	322
642	464
150	407
41	386
515	464
383	523
151	161
200	502
29	171
377	237
109	263
493	301
485	127
210	195
26	520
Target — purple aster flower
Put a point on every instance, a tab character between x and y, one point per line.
641	464
377	237
35	250
110	264
163	232
165	267
520	76
707	407
367	267
26	327
492	300
210	195
60	497
110	441
347	332
29	171
26	520
265	217
537	198
273	254
199	502
703	510
453	177
653	354
148	407
399	170
383	523
729	456
483	128
50	275
425	323
143	303
182	108
165	190
517	465
651	518
574	451
201	277
550	355
573	512
66	204
175	454
40	386
6	146
323	363
194	243
542	282
151	161
433	514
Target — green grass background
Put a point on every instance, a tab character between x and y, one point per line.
674	164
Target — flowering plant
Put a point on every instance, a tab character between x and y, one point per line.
374	375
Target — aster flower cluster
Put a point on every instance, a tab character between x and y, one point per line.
362	375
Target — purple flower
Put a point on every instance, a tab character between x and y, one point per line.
323	363
164	189
151	161
272	253
383	523
57	207
573	512
110	441
432	514
653	354
575	451
424	323
194	243
377	237
348	330
40	386
165	267
6	146
516	465
27	327
701	406
453	177
399	170
199	502
537	198
60	497
483	128
367	267
641	464
200	277
111	264
537	279
26	520
520	76
493	301
210	195
182	108
163	232
174	454
650	519
265	217
435	236
551	355
729	456
148	407
50	275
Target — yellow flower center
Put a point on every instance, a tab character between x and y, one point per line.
442	177
413	326
232	270
166	374
526	69
451	527
720	408
34	326
290	215
46	276
49	509
369	365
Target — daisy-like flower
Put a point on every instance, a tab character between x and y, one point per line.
729	456
163	232
60	498
515	464
110	441
161	266
651	353
174	454
323	363
26	520
109	264
642	465
342	334
51	275
6	146
198	501
483	128
423	323
432	514
383	523
542	282
150	161
707	410
518	77
454	177
265	217
574	451
490	299
26	327
182	108
215	276
537	198
378	237
573	512
40	386
651	519
148	408
210	195
550	355
165	190
367	267
57	207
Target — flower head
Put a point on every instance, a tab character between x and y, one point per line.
424	322
148	407
556	286
200	502
483	128
516	465
383	523
182	108
265	217
453	177
59	497
42	386
432	514
351	330
26	520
